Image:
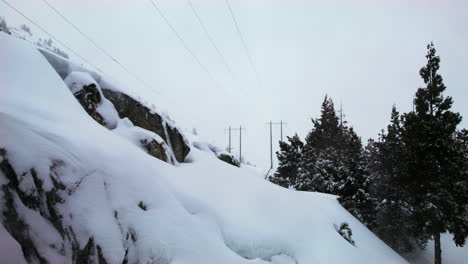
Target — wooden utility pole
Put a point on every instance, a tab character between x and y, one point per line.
281	123
229	140
240	140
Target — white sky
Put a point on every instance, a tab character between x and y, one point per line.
365	53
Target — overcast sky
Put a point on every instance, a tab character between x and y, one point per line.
366	54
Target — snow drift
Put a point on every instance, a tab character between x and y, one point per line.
73	190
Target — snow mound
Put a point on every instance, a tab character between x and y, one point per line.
82	193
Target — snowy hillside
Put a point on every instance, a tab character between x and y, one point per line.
102	185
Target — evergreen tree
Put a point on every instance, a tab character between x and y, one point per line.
436	174
354	189
288	158
333	162
321	167
394	222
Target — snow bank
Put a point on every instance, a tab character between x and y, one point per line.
130	206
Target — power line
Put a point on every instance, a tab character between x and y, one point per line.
223	59
54	38
184	43
239	33
97	46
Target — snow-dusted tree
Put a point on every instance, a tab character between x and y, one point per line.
354	188
3	26
26	29
321	166
333	162
437	175
288	158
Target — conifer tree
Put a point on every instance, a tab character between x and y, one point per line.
333	162
288	159
354	188
321	167
394	222
436	175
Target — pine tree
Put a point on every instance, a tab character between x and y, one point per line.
435	173
354	189
333	162
394	222
288	158
322	165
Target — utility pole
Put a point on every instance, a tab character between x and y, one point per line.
240	140
281	123
229	139
271	146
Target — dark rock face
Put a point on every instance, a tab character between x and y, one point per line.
178	144
135	112
155	149
228	159
90	98
143	117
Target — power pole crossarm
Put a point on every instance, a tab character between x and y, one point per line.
281	123
240	129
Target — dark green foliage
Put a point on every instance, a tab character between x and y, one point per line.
322	167
394	214
436	173
288	157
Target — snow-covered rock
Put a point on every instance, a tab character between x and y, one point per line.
218	152
146	118
108	105
73	191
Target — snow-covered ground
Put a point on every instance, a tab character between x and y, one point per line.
203	211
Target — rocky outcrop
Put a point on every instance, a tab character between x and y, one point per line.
90	98
228	158
154	149
179	145
219	153
144	117
95	93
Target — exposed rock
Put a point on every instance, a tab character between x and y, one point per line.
154	148
229	159
136	112
143	117
90	98
179	145
219	153
142	206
